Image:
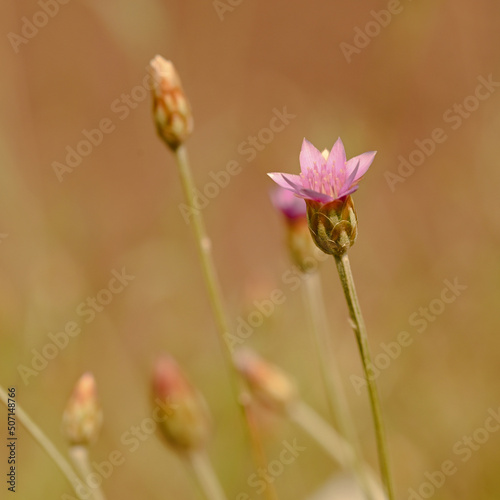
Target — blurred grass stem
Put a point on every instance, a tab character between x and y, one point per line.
206	476
80	457
47	446
335	395
358	325
325	435
338	448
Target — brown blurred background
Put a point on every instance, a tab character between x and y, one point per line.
120	208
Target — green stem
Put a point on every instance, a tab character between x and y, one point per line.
204	247
47	446
358	324
206	477
337	401
335	446
80	457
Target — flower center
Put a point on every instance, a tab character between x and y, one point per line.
323	180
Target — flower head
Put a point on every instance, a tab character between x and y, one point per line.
325	183
325	179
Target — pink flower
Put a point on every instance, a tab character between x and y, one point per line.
325	179
288	204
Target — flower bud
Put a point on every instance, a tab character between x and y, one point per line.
334	225
301	246
82	417
171	109
186	423
268	384
299	242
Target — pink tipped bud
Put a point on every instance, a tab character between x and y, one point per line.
171	109
300	244
82	417
186	423
267	383
292	207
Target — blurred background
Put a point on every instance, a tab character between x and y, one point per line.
381	81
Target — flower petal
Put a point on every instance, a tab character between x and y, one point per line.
336	159
348	191
309	156
350	180
294	183
309	194
365	160
287	181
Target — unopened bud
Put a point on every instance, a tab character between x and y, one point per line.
82	417
171	109
186	423
267	383
299	242
334	225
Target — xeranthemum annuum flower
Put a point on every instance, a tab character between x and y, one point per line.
325	183
325	179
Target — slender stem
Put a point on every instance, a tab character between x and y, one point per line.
325	435
206	476
358	324
335	446
204	247
80	457
47	446
258	448
330	374
335	394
